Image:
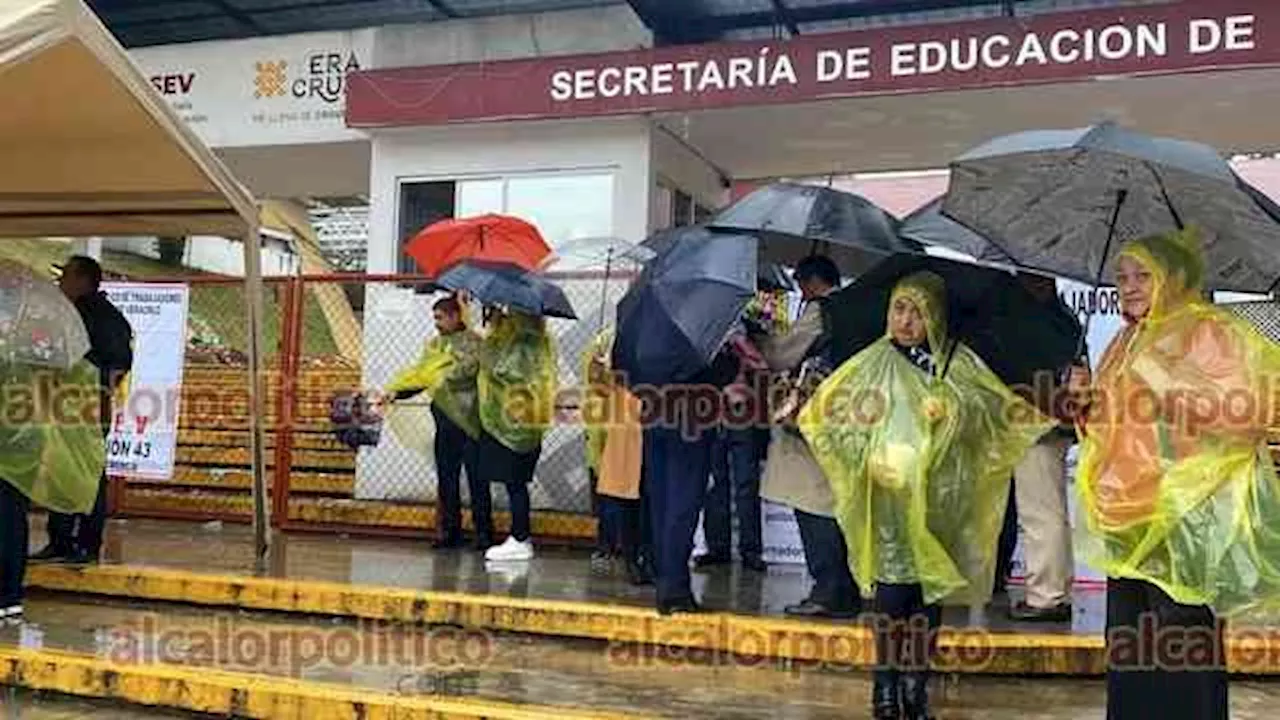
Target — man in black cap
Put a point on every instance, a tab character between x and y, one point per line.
78	538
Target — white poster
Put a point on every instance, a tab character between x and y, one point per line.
144	431
281	90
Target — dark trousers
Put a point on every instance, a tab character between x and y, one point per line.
676	470
500	464
454	451
1145	678
827	558
735	470
1007	543
83	533
80	533
14	539
905	629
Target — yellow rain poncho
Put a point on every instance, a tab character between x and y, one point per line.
447	373
51	444
1174	475
611	422
919	465
517	381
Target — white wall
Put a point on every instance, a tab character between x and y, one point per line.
676	165
213	254
503	149
588	30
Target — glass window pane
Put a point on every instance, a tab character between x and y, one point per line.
479	197
564	207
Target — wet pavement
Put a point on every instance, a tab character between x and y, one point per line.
23	705
555	574
523	669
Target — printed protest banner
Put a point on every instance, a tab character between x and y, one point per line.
144	431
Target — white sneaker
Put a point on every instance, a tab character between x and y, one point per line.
511	549
13	612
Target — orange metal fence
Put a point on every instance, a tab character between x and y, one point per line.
327	334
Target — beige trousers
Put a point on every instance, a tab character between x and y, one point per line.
1040	491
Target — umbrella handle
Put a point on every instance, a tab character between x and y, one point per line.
1121	195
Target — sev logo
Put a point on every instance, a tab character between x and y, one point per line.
270	79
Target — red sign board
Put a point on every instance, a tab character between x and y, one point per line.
1187	36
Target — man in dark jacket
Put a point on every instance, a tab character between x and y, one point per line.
78	538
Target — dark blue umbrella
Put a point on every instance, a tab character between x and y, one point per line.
1063	201
504	284
793	221
677	314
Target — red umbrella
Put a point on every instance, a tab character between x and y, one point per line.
494	238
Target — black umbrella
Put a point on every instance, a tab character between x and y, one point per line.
677	314
495	283
987	308
927	225
1063	201
793	221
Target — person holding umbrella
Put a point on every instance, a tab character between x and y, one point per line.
1176	479
517	388
918	438
51	450
447	372
792	476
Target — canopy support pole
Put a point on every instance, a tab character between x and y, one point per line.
257	410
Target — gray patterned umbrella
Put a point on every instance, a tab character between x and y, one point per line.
1063	201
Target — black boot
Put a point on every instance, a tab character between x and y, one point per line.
885	701
915	696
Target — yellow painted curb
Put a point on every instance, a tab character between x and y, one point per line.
217	692
703	636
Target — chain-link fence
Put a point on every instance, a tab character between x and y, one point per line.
212	478
326	335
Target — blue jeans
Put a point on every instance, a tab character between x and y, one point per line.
676	469
735	470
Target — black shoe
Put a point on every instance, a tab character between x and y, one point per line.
49	554
711	560
448	542
755	564
1023	612
886	702
915	696
811	609
684	604
639	572
82	557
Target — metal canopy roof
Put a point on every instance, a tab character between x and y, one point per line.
155	22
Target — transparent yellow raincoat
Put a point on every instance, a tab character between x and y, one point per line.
51	444
920	465
1174	473
517	381
447	373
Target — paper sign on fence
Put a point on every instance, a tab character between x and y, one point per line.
144	430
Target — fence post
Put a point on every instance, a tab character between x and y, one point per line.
287	398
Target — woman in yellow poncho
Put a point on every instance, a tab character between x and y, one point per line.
919	465
447	373
614	446
517	384
1180	494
